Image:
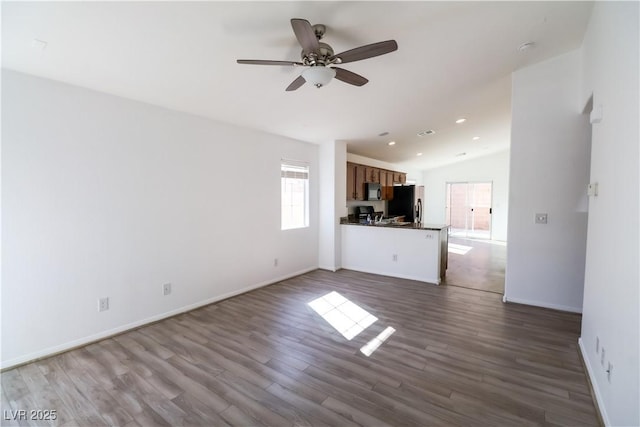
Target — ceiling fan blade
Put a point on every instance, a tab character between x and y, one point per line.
267	62
305	34
296	84
364	52
350	77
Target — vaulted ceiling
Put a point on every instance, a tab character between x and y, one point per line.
454	60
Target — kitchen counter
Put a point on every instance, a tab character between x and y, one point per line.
409	226
418	254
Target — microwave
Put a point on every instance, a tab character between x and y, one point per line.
373	191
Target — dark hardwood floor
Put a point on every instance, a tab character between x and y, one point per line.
458	357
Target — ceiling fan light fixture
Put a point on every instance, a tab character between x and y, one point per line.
319	75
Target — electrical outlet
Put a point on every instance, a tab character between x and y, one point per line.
166	289
609	371
597	345
275	262
394	257
602	357
103	304
429	236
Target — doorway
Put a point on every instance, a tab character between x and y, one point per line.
468	209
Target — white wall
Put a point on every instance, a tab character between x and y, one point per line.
493	168
333	191
611	295
107	197
548	174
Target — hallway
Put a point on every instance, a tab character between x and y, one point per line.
476	264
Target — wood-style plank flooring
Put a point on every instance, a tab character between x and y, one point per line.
458	357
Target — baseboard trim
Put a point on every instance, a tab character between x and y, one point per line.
72	345
595	392
435	281
327	268
542	304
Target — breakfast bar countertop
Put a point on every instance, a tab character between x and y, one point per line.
412	226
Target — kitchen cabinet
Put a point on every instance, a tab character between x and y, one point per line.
358	175
355	181
386	181
382	175
351	181
372	174
399	178
360	180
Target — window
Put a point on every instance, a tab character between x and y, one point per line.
294	187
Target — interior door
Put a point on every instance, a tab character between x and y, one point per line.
468	209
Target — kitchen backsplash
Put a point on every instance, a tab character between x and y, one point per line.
378	205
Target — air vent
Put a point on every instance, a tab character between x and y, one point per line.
383	134
526	46
426	132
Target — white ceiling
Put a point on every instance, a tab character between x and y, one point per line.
454	60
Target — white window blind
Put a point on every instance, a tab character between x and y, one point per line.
294	185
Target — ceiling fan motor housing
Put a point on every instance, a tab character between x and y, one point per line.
319	57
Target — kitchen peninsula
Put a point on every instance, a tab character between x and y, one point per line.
411	251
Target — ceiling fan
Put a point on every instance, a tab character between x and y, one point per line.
319	57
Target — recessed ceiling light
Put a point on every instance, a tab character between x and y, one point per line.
419	154
392	143
526	46
426	132
383	134
461	154
461	120
475	138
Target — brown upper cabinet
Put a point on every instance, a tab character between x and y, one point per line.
386	180
351	181
372	174
358	175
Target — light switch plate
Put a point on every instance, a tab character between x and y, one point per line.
541	218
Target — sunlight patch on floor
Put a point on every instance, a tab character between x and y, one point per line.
459	249
490	242
373	345
346	317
